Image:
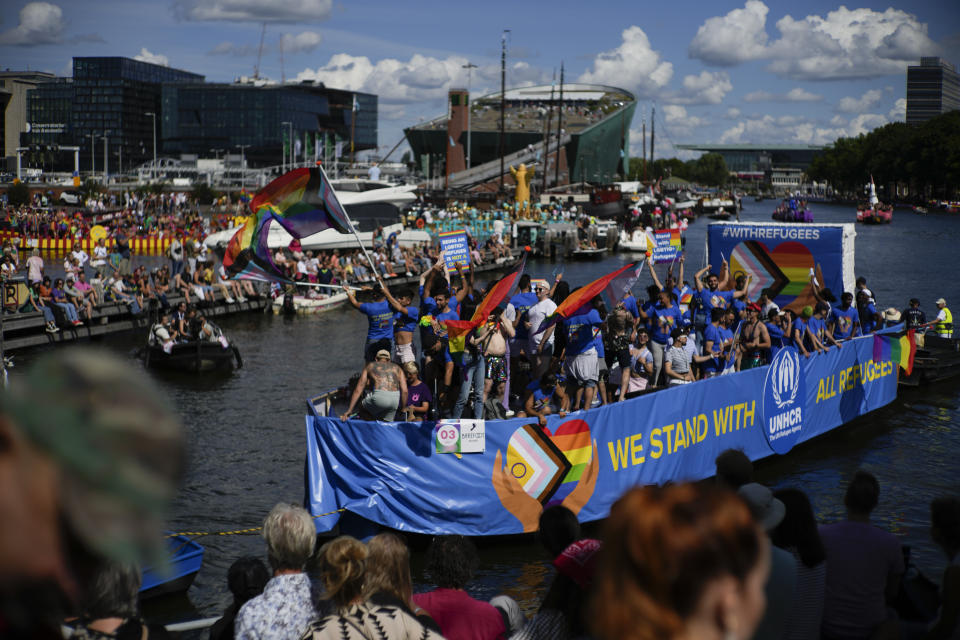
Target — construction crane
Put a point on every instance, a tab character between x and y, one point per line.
256	69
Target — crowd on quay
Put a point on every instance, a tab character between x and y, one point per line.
680	334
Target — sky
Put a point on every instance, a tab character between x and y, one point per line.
760	72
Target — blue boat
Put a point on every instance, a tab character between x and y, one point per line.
494	478
186	557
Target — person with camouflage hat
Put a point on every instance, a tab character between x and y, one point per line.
90	458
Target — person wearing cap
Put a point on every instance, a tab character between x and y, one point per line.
943	323
73	414
844	320
864	566
781	586
541	343
754	339
388	390
803	340
677	360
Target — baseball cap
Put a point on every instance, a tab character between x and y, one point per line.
767	510
753	306
116	441
579	561
807	311
539	283
383	353
941	301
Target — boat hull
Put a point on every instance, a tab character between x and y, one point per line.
308	306
194	357
186	558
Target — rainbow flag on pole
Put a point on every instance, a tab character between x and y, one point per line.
900	351
458	330
302	202
582	296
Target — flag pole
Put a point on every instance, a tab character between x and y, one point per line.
350	223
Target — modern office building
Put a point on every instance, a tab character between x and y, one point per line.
214	119
933	88
129	102
750	159
13	106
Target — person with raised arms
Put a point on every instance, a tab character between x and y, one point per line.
379	319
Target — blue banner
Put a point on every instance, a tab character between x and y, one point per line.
782	258
391	474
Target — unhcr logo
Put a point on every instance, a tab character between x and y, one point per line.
783	399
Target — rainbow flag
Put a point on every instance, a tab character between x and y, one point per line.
305	201
900	351
582	296
458	330
302	202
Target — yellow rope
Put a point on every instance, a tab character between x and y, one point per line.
238	532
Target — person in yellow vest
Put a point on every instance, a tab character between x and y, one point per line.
943	323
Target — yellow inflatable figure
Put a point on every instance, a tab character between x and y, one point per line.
522	176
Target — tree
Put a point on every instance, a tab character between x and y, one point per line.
18	194
711	169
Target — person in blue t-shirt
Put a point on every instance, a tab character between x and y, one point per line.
379	322
537	396
803	338
646	309
713	344
405	320
516	313
844	320
869	318
775	331
711	295
818	326
664	317
581	365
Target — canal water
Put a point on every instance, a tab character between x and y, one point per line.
246	431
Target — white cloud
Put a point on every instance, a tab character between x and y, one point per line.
798	129
732	113
796	94
734	38
253	10
707	87
858	105
846	43
40	23
153	58
899	111
421	78
679	123
229	48
633	65
301	43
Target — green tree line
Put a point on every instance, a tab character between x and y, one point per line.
925	159
710	169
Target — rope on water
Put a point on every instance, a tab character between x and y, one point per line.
237	532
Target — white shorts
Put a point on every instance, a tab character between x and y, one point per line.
405	353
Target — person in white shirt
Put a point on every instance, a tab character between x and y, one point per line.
541	344
100	253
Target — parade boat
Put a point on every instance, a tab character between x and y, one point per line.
792	210
305	305
874	212
193	357
185	560
490	478
936	359
634	241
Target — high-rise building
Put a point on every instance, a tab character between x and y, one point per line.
13	106
274	123
933	88
115	97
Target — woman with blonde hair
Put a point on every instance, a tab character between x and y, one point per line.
678	562
388	577
343	565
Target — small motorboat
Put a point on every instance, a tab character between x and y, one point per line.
936	359
720	214
296	304
193	357
186	557
588	253
635	241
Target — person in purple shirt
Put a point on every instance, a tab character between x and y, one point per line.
419	397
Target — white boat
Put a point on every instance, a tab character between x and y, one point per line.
328	239
364	191
305	305
634	241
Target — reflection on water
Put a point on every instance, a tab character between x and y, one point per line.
246	430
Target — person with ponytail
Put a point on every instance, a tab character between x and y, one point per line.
343	567
680	562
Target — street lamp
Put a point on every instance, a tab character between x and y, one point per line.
93	143
243	165
469	67
106	159
153	119
290	142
